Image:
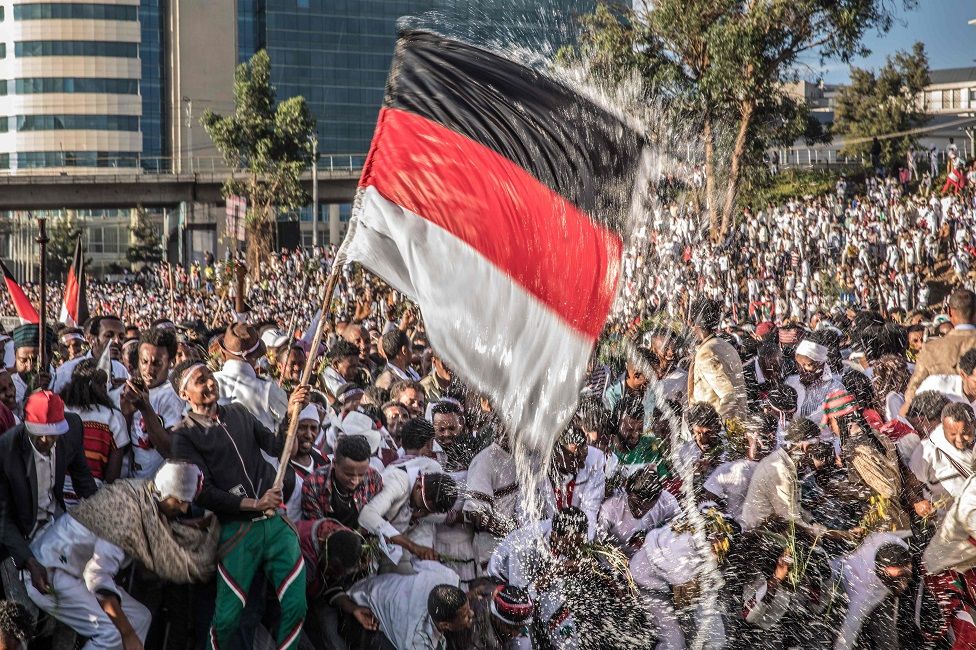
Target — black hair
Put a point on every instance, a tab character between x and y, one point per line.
341	349
440	491
706	312
592	416
859	385
399	387
93	325
416	433
801	429
392	342
644	484
963	302
376	394
176	377
703	414
16	621
445	602
967	363
928	405
570	521
959	411
447	407
782	397
571	435
356	448
891	555
343	547
87	387
160	338
632	408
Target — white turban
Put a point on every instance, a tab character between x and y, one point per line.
310	412
811	350
178	479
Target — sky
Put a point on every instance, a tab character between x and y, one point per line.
942	25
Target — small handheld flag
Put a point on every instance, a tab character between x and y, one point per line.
25	310
74	309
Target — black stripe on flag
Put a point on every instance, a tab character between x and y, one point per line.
576	148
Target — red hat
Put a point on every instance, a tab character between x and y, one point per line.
764	328
44	414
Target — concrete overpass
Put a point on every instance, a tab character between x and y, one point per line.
134	187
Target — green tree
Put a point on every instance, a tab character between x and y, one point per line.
61	233
271	143
723	65
146	244
884	105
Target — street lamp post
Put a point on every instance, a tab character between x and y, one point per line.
315	190
189	131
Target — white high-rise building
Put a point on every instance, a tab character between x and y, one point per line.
69	86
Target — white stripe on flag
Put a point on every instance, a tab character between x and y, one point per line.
499	338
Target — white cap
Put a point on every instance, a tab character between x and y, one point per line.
274	338
178	479
310	412
811	350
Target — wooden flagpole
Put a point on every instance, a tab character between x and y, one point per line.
326	313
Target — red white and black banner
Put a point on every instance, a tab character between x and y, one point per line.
25	310
74	309
494	197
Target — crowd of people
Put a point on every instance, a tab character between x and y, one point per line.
775	446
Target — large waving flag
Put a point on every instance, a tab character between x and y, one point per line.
496	198
74	309
25	310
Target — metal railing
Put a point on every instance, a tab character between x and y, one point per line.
127	165
829	156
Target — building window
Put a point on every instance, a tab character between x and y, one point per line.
4	161
76	48
3	123
77	122
74	11
3	50
107	159
3	87
37	85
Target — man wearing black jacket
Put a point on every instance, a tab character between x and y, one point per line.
226	443
34	458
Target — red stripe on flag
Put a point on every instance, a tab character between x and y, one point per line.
25	310
71	295
553	250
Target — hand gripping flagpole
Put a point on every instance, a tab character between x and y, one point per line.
330	287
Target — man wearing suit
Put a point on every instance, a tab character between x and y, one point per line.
34	458
941	356
715	375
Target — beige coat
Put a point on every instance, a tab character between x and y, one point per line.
716	378
939	357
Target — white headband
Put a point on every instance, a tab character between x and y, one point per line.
72	336
188	375
811	350
310	413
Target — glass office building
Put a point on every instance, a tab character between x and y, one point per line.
151	86
336	53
